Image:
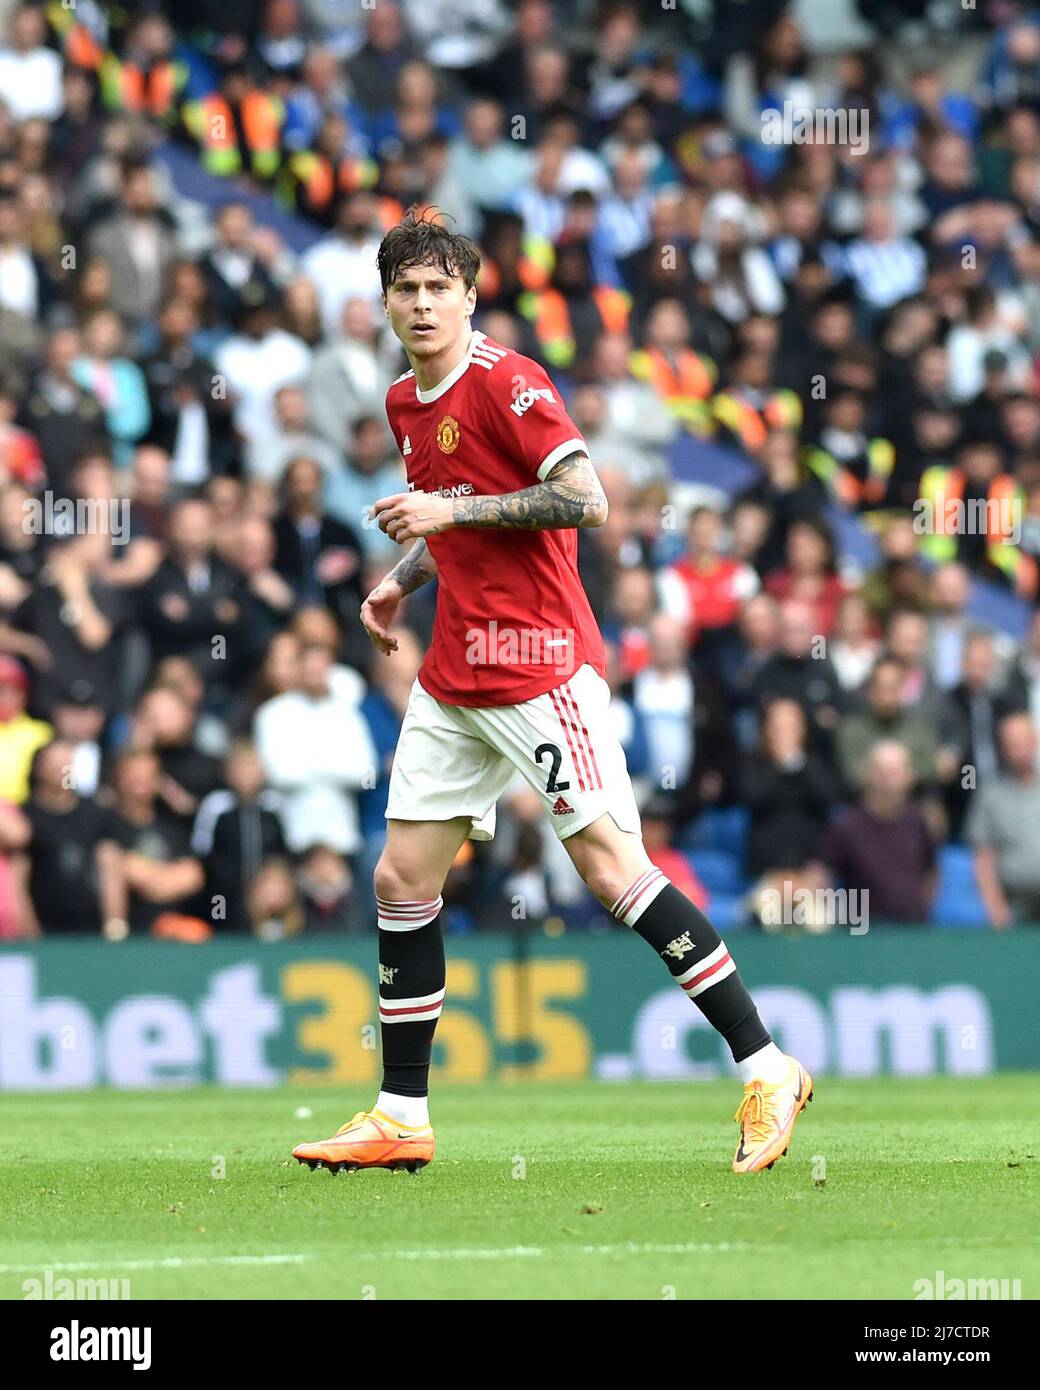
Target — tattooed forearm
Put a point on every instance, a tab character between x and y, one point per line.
416	568
570	495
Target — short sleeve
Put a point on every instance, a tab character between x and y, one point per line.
526	419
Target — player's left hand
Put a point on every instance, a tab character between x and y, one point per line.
406	516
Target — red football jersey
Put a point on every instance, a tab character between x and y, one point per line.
513	619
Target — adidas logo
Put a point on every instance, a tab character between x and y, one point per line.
562	807
407	446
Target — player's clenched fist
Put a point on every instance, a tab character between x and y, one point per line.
406	516
378	612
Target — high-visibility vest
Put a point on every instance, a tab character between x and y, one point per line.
311	181
127	87
534	268
683	383
940	486
847	488
211	122
82	50
751	424
537	262
548	311
389	211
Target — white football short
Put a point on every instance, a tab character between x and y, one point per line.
455	761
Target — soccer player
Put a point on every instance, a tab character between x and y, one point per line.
499	480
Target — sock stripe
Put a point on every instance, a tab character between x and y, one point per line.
616	905
413	1001
427	1015
408	916
712	958
707	972
715	976
422	1007
634	901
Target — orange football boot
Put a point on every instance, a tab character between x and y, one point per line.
766	1117
370	1140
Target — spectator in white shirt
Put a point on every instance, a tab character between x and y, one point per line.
317	751
663	696
342	265
30	73
20	281
457	33
256	362
740	274
853	651
990	328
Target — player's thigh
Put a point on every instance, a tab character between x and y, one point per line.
417	856
565	745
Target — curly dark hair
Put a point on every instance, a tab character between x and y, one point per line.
418	240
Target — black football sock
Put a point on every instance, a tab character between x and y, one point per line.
696	956
411	991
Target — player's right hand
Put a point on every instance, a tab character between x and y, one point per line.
378	612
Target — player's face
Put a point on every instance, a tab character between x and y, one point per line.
429	310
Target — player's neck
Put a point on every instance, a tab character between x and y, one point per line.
431	371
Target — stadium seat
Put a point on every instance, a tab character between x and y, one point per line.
958	902
727	912
721	828
959	910
719	870
956	865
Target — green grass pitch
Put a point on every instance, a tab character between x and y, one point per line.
539	1190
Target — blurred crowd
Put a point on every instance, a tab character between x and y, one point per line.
195	733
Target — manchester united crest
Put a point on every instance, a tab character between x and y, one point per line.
448	435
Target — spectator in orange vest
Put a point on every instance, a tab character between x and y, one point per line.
680	377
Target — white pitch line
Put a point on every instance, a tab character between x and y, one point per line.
621	1248
459	1253
170	1262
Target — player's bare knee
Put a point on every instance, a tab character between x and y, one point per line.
397	882
607	875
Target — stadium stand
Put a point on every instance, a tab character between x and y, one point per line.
807	368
